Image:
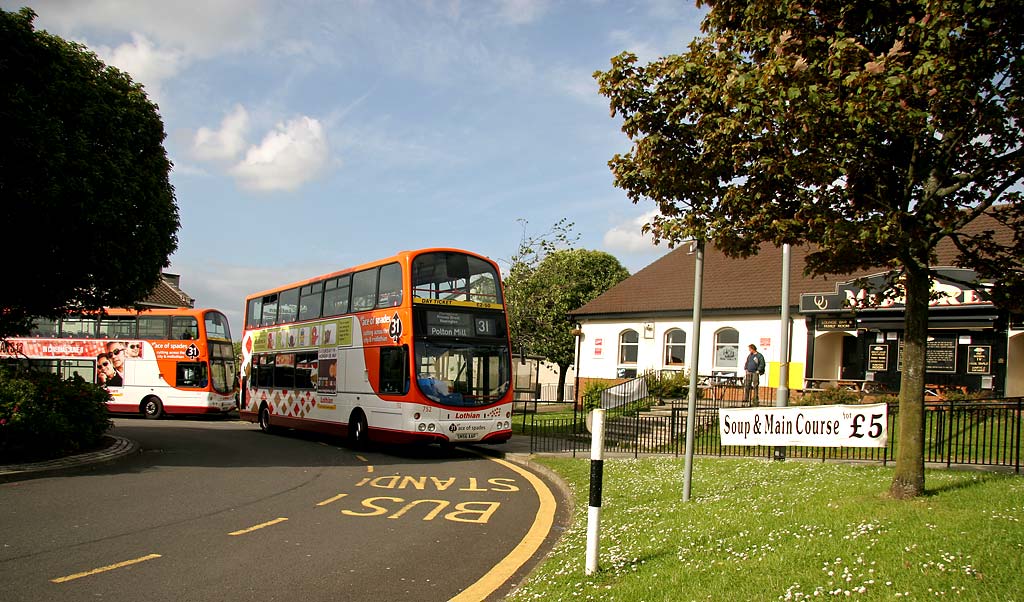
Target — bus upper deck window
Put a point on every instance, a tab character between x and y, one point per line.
184	328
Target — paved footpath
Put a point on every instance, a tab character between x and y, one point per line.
119	448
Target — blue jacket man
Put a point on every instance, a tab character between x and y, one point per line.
753	368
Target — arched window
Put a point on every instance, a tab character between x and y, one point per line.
675	347
727	349
629	345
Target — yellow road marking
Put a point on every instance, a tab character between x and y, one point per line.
332	499
527	547
103	569
369	467
259	526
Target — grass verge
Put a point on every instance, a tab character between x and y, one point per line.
761	530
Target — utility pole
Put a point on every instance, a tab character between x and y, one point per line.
691	403
782	398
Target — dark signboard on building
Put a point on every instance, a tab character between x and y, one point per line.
878	358
836	324
939	355
859	293
979	359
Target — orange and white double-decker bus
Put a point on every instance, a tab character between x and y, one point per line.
153	362
410	348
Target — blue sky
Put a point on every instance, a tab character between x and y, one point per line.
311	135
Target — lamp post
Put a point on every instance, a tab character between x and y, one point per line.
578	333
691	404
783	391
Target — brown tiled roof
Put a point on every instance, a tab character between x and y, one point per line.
167	295
752	284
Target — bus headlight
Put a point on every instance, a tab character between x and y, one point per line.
421	427
430	427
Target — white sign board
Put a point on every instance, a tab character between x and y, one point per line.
810	426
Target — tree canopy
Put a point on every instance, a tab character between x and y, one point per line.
869	129
544	284
89	212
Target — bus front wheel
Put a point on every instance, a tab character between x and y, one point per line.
152	408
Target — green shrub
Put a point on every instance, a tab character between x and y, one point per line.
892	400
592	394
957	395
673	384
830	396
42	416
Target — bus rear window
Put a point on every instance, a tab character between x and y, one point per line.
255	310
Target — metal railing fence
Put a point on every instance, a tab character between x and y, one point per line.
983	433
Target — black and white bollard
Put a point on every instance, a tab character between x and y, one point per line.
596	478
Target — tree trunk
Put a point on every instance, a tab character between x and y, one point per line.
560	396
908	480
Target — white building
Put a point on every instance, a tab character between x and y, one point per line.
645	323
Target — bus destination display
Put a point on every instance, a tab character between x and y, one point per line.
457	324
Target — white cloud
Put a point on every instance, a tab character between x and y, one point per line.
224	286
294	153
147	64
643	47
166	37
521	12
226	143
577	83
195	28
629	238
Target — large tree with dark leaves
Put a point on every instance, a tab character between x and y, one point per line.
88	211
871	129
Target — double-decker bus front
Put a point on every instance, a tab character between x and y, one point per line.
461	355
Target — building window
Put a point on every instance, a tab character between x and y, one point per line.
675	347
727	349
629	344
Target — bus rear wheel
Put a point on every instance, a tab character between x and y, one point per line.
264	420
152	408
358	431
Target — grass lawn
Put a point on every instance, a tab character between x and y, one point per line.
762	530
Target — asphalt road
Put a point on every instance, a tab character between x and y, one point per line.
216	510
